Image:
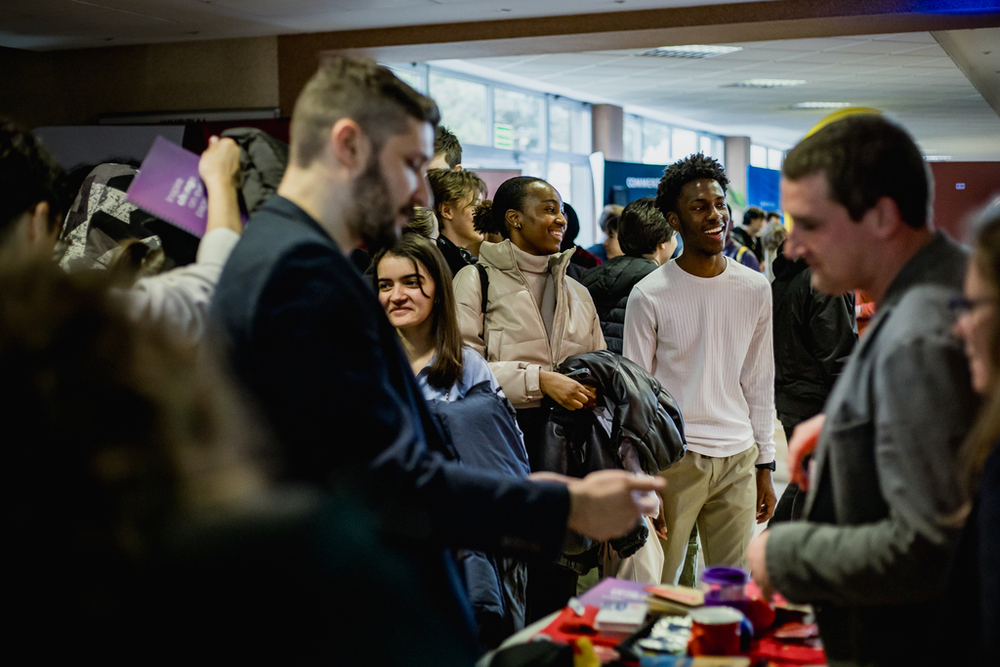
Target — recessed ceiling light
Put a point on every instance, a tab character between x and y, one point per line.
692	51
765	83
821	105
937	158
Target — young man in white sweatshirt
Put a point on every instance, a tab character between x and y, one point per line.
701	324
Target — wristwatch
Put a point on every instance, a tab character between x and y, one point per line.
772	466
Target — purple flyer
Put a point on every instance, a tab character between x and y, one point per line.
168	186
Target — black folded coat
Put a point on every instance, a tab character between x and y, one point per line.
574	443
643	412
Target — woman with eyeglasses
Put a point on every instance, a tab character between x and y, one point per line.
973	595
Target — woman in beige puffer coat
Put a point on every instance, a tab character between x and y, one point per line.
535	317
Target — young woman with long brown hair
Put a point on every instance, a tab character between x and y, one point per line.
414	286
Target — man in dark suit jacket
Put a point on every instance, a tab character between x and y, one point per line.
308	338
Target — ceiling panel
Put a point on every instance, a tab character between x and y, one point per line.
910	37
870	47
820	57
908	76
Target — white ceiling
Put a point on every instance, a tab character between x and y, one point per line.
909	76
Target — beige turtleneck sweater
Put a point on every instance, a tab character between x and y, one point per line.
535	269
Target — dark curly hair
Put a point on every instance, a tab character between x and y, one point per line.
28	175
682	172
491	215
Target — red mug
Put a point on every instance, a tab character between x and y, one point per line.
715	631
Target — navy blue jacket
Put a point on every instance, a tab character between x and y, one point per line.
308	338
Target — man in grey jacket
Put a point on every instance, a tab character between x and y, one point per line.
884	502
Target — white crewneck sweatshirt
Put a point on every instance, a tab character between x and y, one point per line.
708	341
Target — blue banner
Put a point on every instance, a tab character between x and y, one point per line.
763	188
625	182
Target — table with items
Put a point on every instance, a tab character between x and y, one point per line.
725	623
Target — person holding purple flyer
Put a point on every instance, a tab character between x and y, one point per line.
36	197
179	299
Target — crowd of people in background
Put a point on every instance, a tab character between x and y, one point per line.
374	400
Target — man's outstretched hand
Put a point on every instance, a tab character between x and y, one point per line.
602	506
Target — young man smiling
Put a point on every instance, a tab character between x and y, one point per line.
701	324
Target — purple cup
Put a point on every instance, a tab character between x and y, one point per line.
724	585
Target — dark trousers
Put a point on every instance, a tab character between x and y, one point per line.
792	502
550	586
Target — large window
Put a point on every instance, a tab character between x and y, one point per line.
651	142
706	145
632	139
463	106
766	158
569	128
518	120
503	127
775	158
683	143
656	143
561	177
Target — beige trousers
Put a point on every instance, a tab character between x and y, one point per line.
644	565
720	495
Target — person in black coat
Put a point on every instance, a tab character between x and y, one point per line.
814	333
647	241
582	259
748	233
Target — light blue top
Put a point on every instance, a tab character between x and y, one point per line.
474	370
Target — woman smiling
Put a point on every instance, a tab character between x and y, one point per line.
525	316
535	316
414	287
974	584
